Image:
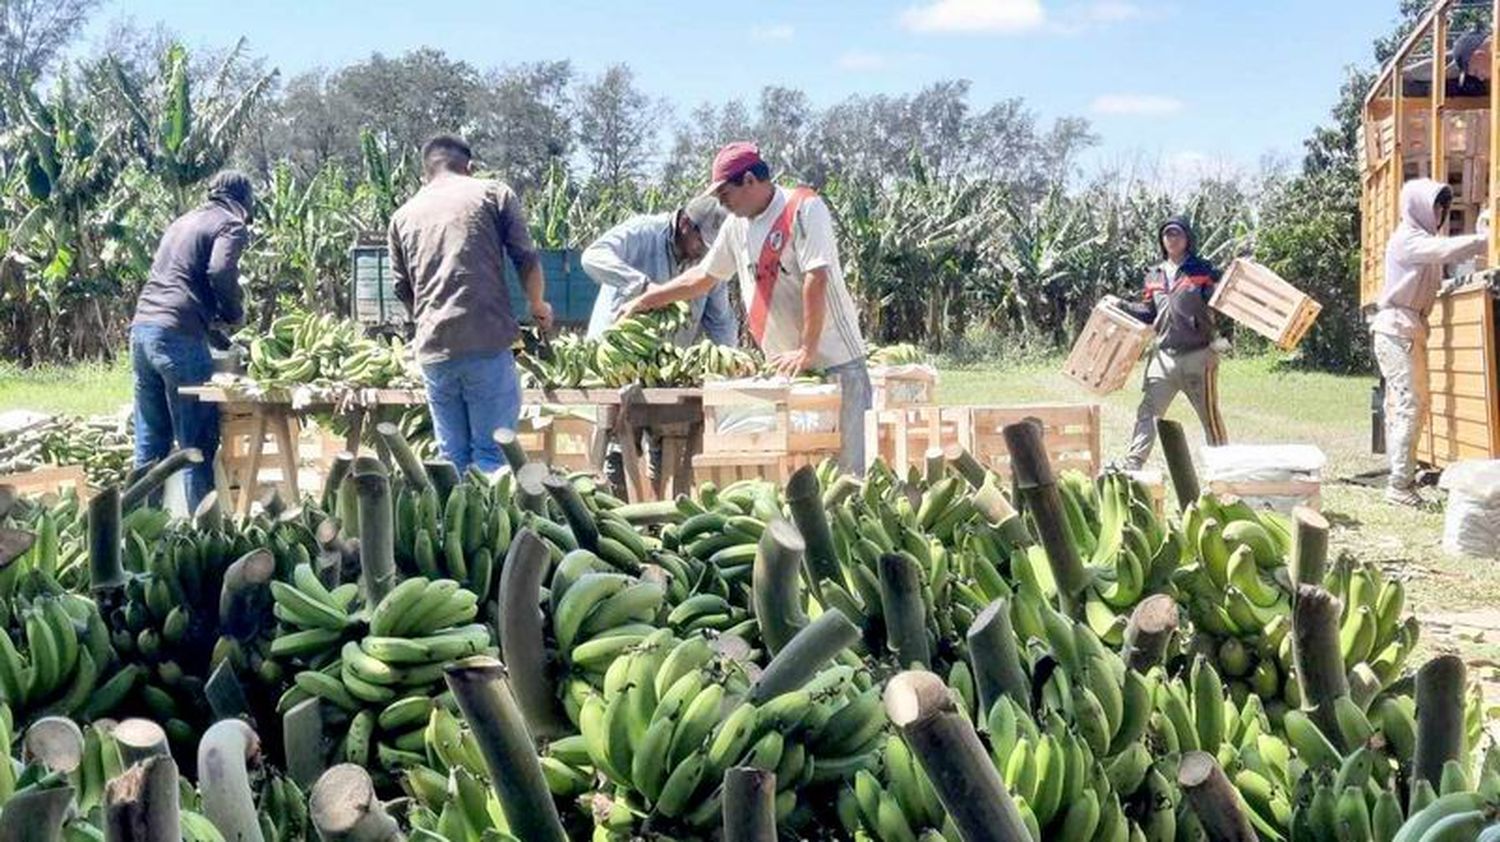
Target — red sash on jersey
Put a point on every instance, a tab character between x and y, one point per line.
768	266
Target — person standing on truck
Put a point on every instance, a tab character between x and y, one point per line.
1414	259
780	243
448	245
1468	74
1186	355
652	249
193	288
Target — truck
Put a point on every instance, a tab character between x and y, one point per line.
1414	130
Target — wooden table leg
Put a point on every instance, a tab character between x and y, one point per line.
356	430
636	484
286	446
257	447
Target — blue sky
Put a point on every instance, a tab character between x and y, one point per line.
1186	83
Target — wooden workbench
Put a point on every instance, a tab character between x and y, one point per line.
674	415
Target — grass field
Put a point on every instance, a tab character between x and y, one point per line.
76	390
1261	404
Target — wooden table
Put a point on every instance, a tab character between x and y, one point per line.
674	415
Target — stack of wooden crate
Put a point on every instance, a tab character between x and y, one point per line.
563	439
901	438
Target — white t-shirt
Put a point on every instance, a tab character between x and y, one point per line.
736	251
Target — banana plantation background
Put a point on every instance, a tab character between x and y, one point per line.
968	228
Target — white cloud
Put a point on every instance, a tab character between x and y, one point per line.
1136	105
861	60
975	16
773	32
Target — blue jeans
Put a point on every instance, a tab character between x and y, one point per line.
855	397
163	360
471	398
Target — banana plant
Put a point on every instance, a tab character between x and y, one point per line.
64	206
182	135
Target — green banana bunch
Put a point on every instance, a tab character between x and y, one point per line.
389	682
323	350
898	354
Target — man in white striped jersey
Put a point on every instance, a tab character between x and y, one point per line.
781	245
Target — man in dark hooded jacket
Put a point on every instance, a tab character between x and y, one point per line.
1184	359
193	286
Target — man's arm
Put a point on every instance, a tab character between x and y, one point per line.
719	322
694	283
224	272
604	261
718	265
516	238
400	274
1427	248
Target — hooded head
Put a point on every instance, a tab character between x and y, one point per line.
233	186
1419	198
1187	228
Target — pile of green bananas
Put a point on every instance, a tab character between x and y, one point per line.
1237	591
752	626
191	605
103	445
639	349
323	350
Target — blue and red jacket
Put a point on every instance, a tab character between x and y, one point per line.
1178	306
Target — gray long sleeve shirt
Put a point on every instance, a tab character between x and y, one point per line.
195	274
638	253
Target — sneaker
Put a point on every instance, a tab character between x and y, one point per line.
1407	496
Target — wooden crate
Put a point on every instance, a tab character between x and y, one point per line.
721	469
1277	496
1069	432
780	405
1257	298
901	437
564	441
1107	349
49	480
903	385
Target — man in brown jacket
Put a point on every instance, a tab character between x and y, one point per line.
448	246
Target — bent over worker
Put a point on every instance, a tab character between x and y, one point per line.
1184	358
448	246
780	244
651	249
193	286
1414	258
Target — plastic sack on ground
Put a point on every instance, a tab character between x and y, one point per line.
1471	525
1271	476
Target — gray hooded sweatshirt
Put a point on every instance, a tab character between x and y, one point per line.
1414	259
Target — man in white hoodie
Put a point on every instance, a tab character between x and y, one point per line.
1414	260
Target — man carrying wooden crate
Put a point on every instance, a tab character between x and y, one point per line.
651	249
1414	259
448	246
781	245
1185	358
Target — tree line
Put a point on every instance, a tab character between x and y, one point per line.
965	227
